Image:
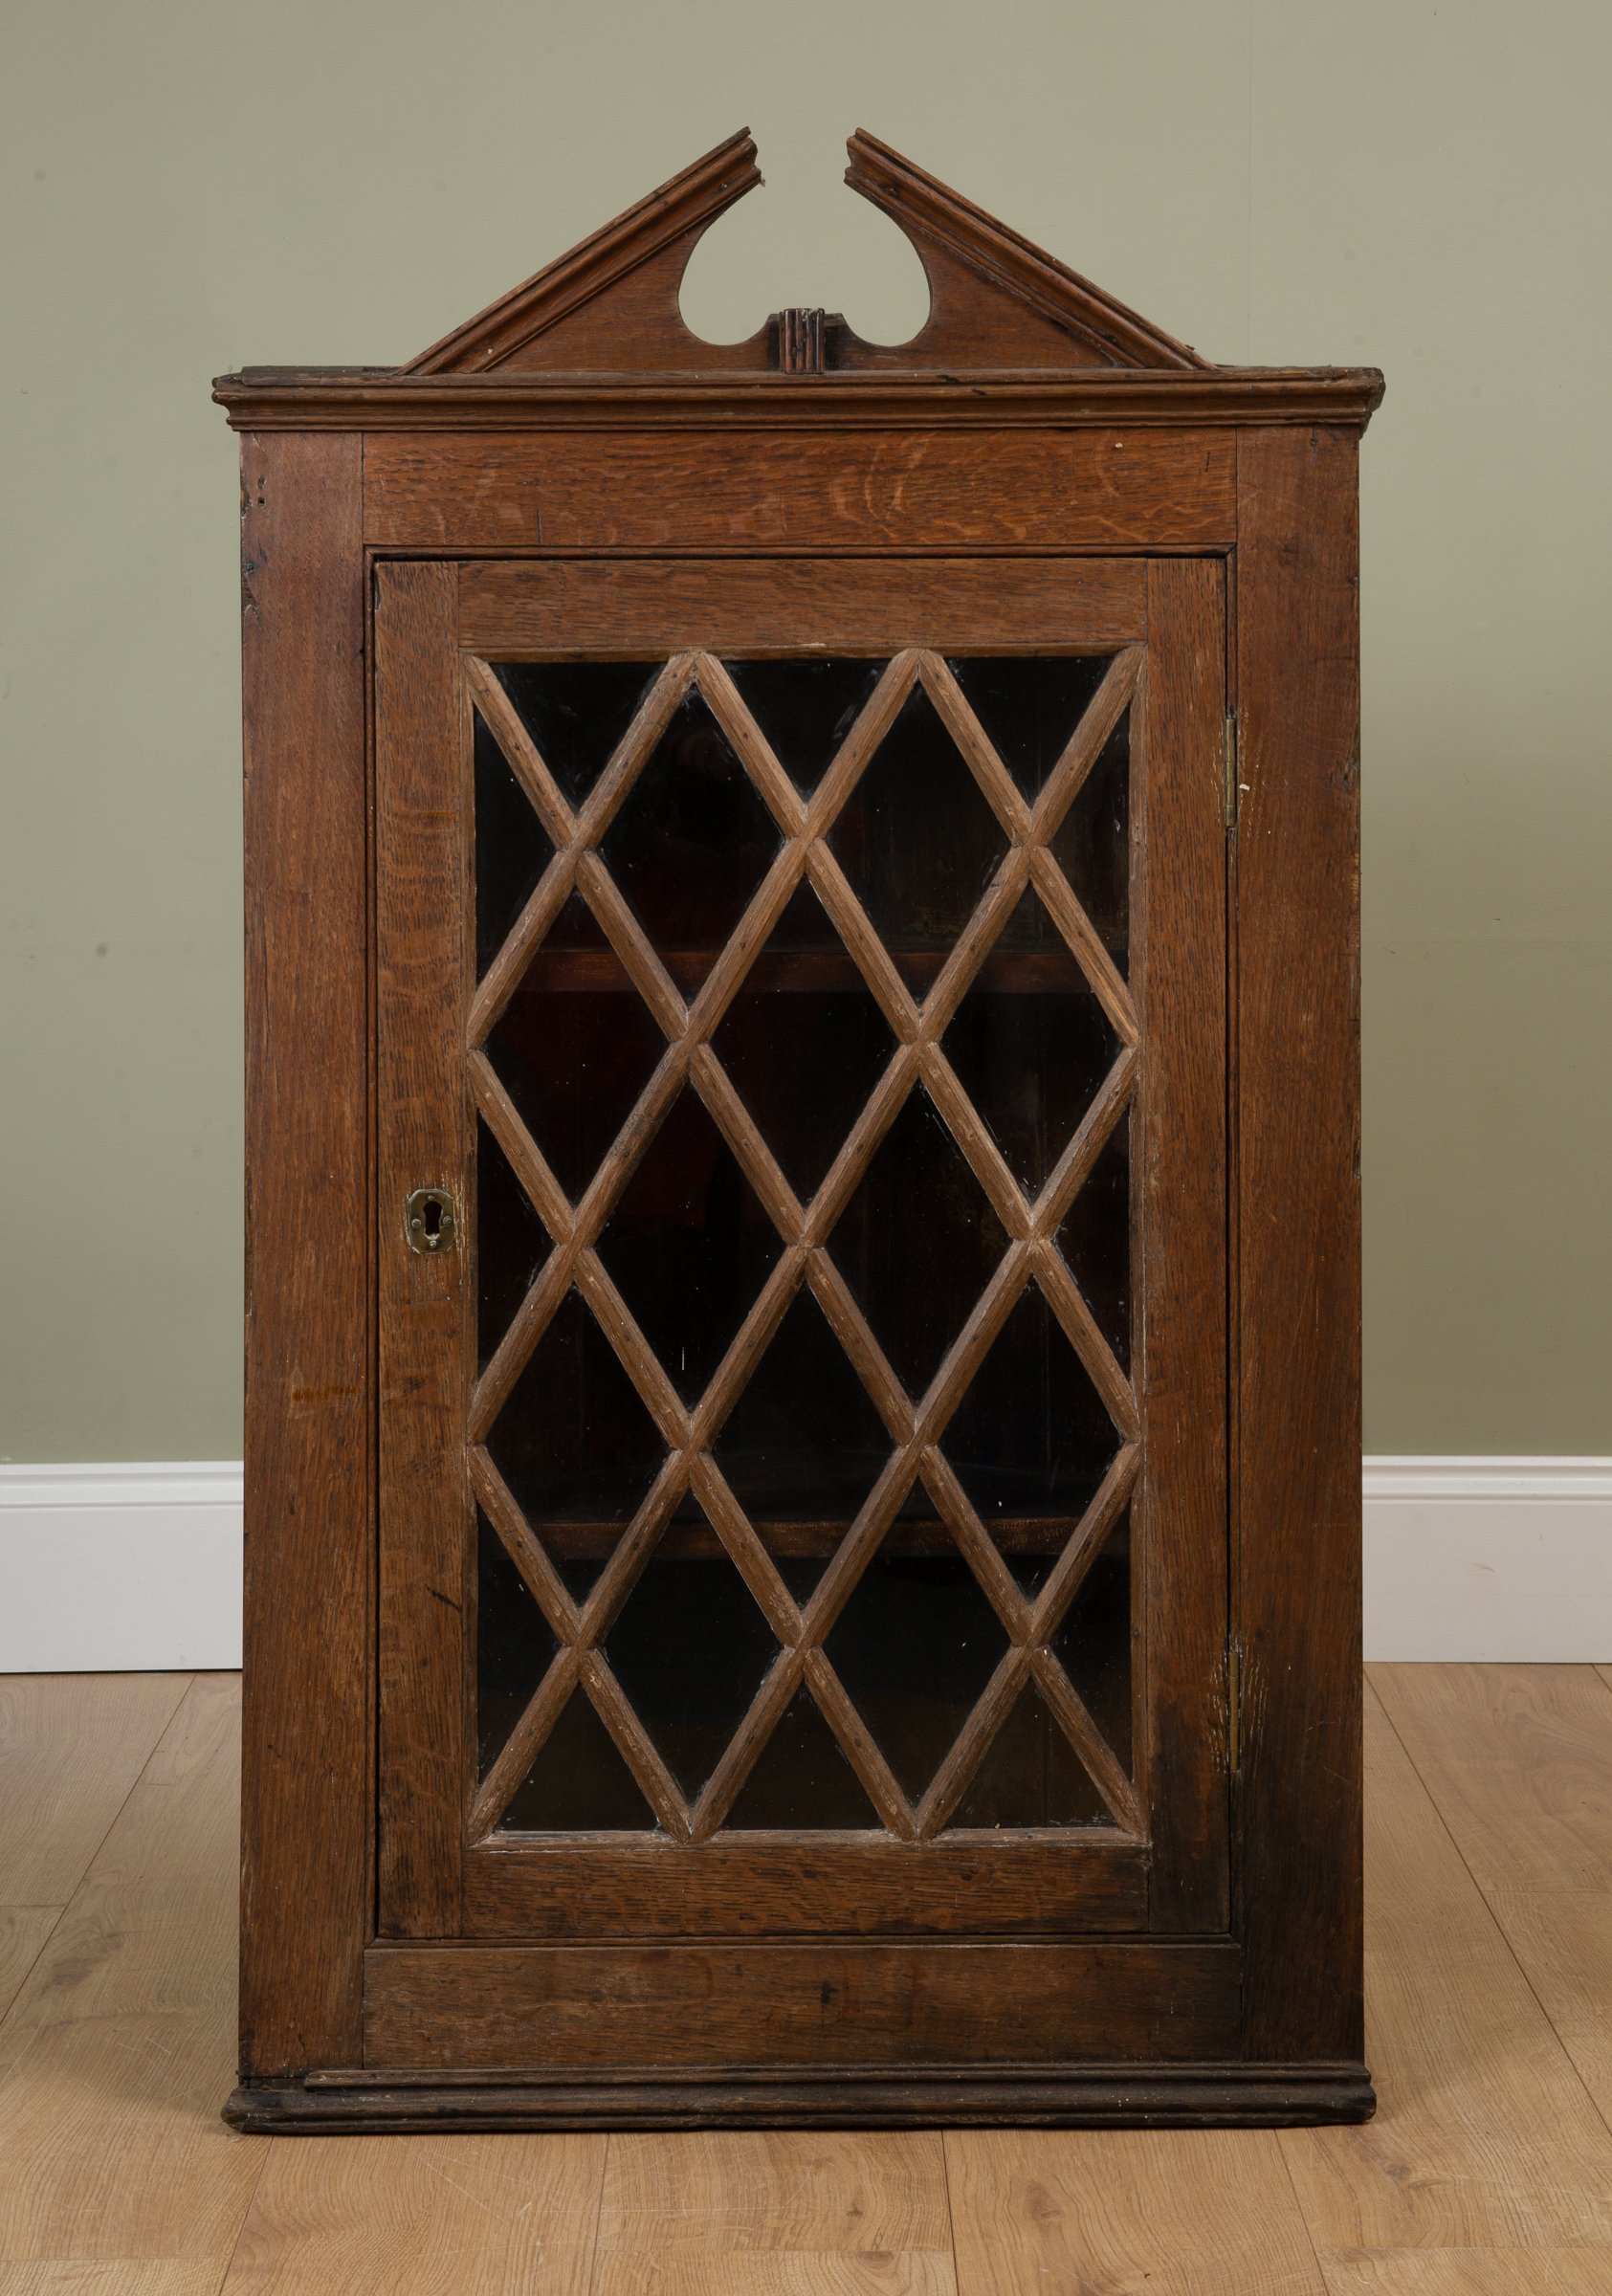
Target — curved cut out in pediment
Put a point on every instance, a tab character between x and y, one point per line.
612	305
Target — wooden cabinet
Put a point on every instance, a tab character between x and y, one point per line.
802	1453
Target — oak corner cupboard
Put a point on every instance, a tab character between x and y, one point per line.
803	1435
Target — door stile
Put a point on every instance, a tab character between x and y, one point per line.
1182	1274
424	1593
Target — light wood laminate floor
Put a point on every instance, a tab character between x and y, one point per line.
1489	2002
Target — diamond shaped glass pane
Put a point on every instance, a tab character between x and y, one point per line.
802	1779
1030	1776
1092	845
691	1648
513	1645
1031	1044
576	712
918	1242
575	1444
802	1446
917	841
511	1244
578	1782
575	1046
512	847
804	709
690	844
1031	1441
1093	1643
1028	706
688	1245
803	1042
1096	1241
915	1645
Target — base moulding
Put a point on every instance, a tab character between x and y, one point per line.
388	2101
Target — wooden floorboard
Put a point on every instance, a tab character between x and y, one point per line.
452	2216
780	2212
117	2048
1516	1759
1487	2172
1147	2213
1484	2136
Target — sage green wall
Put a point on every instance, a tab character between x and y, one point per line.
190	188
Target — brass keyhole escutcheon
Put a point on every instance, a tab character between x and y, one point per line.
428	1220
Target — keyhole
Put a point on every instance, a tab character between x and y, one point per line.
433	1220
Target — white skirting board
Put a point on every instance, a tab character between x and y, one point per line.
1488	1558
121	1568
107	1569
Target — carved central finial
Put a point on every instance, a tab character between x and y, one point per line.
800	340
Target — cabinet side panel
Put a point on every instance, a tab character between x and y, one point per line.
1298	1791
306	1790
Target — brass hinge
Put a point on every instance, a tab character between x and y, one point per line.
1233	1707
1229	763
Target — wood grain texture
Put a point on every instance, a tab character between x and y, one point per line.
1484	2137
1179	981
925	492
1164	2213
71	1748
739	2005
712	2190
478	2216
23	1932
1297	1587
780	2272
1469	2272
425	1574
111	2276
1519	1762
1516	1759
308	1687
117	2050
516	608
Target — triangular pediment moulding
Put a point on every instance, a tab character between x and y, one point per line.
604	323
612	302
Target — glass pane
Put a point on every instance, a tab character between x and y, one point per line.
801	1778
1031	1044
804	709
918	1242
917	841
690	844
803	1445
1096	1241
574	1442
688	1245
1093	1643
578	1782
513	1645
915	1645
1093	843
576	712
511	1244
1030	1776
690	1647
512	847
803	1043
1030	706
1031	1441
575	1046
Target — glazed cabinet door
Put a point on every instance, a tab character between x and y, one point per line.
801	1185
